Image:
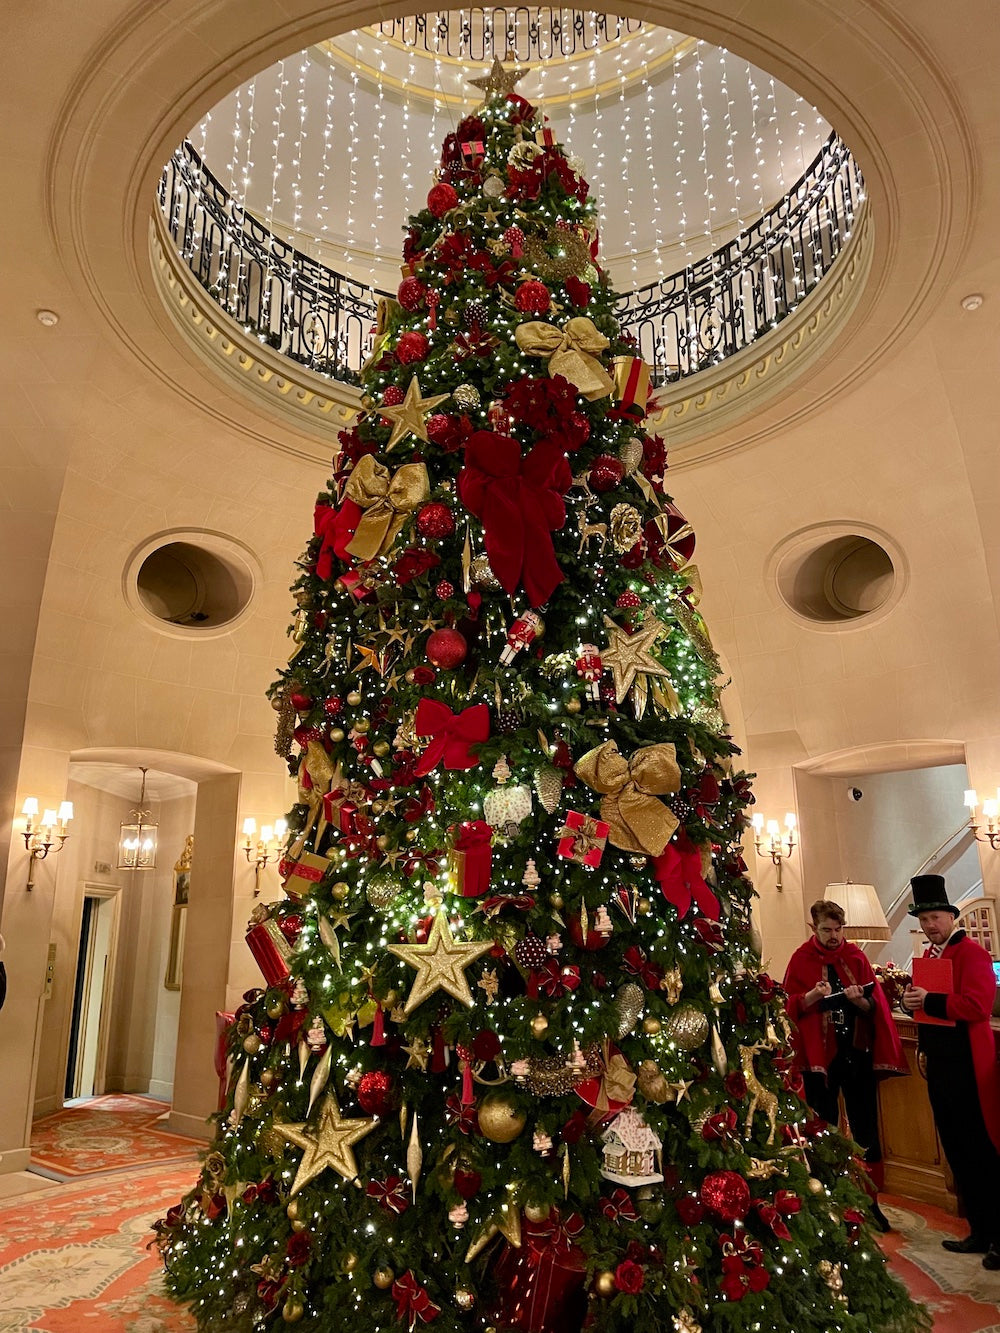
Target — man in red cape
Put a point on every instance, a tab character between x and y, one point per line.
963	1078
845	1038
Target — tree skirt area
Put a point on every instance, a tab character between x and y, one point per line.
75	1256
112	1133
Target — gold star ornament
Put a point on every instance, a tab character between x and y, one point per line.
498	80
410	416
440	964
331	1145
629	656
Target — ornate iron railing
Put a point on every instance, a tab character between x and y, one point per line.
682	325
532	34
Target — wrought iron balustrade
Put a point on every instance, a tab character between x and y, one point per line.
532	34
681	325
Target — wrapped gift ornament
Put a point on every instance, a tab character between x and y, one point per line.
583	839
300	875
470	857
541	1285
631	1151
271	949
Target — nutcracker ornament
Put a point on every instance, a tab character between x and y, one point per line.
589	668
524	631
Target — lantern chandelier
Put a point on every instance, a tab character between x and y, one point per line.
685	143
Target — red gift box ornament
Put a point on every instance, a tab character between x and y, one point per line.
541	1285
300	875
471	856
271	949
631	382
583	839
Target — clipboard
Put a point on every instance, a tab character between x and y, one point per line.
934	974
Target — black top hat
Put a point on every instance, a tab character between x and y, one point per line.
929	895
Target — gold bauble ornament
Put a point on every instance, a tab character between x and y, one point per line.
604	1283
381	749
573	704
362	726
644	907
557	901
292	1209
651	1025
252	1044
299	1224
539	1026
339	891
687	1027
465	1299
337	734
382	891
275	1008
350	1263
499	1119
383	1278
292	1310
537	1212
382	842
354	698
268	1077
815	1186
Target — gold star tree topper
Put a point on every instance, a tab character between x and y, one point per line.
440	964
332	1144
410	416
499	79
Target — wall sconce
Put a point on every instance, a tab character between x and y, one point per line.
991	813
265	849
137	840
770	841
46	835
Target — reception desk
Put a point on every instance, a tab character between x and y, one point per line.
914	1163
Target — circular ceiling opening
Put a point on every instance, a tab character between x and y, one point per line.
191	583
835	575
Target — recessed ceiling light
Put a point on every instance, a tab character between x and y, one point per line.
47	317
972	302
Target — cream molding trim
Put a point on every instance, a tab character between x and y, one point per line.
697	412
313	403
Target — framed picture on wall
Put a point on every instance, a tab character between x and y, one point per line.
178	918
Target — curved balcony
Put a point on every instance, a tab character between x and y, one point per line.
685	324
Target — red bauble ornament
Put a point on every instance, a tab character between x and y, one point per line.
435	520
629	599
334	706
441	198
532	297
440	427
446	648
606	472
411	293
377	1093
514	237
444	590
393	396
300	702
596	939
412	346
726	1194
467	1181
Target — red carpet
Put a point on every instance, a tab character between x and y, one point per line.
112	1133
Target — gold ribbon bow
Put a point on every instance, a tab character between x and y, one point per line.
322	774
386	500
571	351
638	822
618	1083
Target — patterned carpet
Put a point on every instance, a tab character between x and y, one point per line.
112	1133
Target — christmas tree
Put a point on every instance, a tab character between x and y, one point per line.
515	1065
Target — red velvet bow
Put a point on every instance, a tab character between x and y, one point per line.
679	873
555	1235
770	1216
638	965
463	1118
336	527
519	500
524	902
452	735
412	1300
552	980
390	1193
721	1126
472	841
416	859
619	1208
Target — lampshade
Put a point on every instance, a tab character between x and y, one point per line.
864	916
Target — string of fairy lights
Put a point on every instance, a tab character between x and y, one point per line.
683	143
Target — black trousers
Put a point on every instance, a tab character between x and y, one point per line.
850	1073
974	1162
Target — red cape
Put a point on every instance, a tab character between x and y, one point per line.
972	1003
815	1040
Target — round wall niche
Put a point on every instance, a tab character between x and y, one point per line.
191	583
835	576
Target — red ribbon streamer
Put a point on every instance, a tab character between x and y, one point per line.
519	500
452	735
